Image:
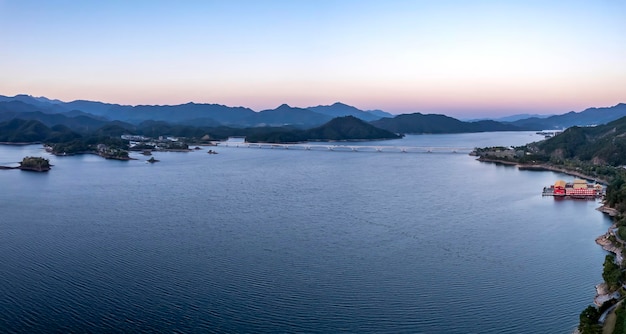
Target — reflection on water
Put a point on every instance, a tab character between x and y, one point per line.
294	241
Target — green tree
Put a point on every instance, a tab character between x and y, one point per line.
612	273
589	321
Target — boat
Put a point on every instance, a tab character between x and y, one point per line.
577	189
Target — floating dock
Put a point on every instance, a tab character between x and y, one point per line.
577	189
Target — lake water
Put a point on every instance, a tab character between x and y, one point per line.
269	240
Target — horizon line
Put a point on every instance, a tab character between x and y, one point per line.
468	117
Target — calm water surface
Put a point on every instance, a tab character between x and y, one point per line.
262	240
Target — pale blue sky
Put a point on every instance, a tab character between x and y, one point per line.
460	58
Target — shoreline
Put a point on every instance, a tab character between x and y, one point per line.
609	211
543	168
603	294
608	241
19	144
29	169
93	153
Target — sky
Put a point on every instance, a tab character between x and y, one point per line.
459	58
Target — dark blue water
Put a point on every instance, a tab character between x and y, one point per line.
262	240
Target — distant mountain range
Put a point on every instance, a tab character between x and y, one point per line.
190	113
511	118
587	117
84	116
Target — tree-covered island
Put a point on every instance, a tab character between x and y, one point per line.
35	164
106	147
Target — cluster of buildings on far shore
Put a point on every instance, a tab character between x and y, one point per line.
135	140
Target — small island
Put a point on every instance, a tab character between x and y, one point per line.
35	164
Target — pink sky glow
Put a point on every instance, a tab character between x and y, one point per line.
460	58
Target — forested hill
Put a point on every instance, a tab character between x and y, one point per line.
348	128
601	145
339	128
29	131
432	123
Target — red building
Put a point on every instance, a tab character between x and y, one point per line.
559	188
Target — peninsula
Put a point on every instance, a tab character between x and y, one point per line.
594	153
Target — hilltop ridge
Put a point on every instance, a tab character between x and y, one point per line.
83	116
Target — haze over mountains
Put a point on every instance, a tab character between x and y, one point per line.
191	113
84	116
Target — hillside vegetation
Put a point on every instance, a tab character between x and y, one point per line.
340	128
598	152
37	164
431	123
23	131
599	145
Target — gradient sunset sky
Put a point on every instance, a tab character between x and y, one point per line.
459	58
